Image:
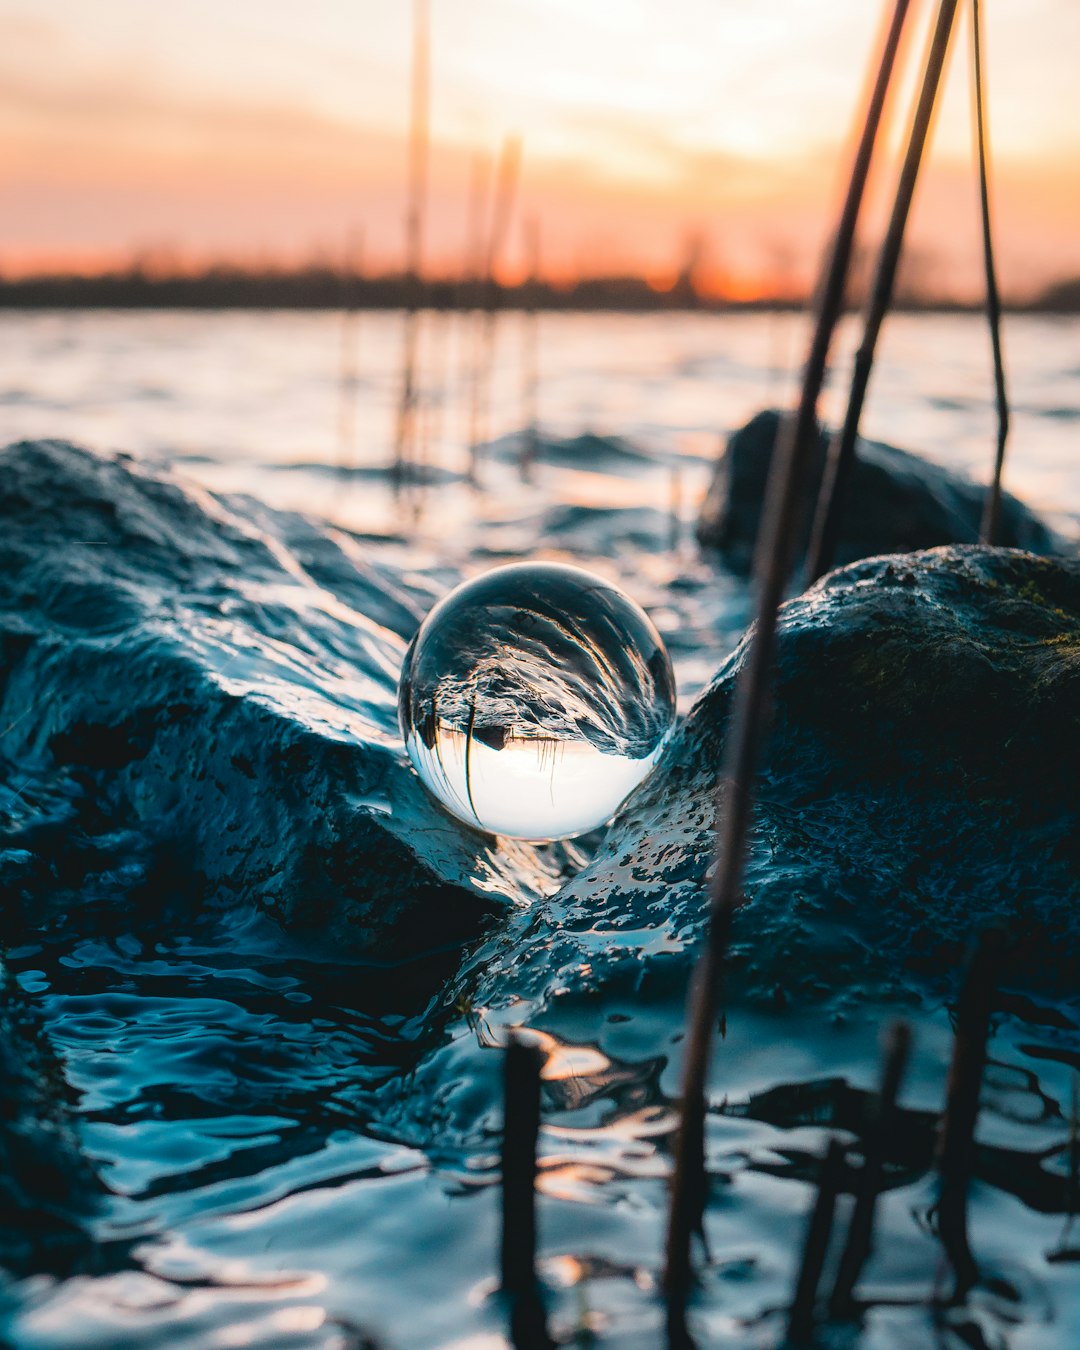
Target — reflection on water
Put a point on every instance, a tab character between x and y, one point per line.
302	1150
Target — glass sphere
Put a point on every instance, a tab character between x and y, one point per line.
533	700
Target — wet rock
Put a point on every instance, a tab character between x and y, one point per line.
919	783
218	680
223	677
587	452
897	502
48	1191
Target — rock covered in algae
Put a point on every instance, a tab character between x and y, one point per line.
897	502
47	1189
920	782
223	677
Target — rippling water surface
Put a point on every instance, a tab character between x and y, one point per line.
301	1150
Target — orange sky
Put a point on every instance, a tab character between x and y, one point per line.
267	131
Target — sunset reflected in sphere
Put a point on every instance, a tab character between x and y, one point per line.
534	699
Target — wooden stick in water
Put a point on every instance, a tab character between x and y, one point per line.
348	373
842	453
521	1130
992	505
816	1246
505	185
530	361
471	285
860	1239
404	427
956	1140
796	443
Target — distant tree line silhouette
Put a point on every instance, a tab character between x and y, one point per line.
324	287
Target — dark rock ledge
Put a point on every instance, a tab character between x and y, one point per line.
897	503
222	678
48	1192
920	783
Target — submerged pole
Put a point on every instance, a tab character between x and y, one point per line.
956	1140
404	427
472	273
517	1254
353	267
816	1245
530	421
860	1238
796	442
505	186
992	505
842	454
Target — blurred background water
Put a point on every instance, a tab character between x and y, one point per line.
302	1149
253	402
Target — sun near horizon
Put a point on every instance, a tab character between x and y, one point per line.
269	133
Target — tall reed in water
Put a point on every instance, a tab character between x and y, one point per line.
956	1142
842	452
517	1251
349	348
530	428
405	428
992	506
471	285
795	447
506	177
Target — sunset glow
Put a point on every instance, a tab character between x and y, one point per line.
265	132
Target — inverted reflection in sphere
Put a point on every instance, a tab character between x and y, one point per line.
534	698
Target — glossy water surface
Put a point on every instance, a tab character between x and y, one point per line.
301	1149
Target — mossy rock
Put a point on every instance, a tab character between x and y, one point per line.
919	783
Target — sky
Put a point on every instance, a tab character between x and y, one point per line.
273	131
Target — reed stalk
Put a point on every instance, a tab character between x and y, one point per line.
517	1255
404	426
956	1139
471	285
796	444
349	361
992	505
506	177
530	356
842	450
816	1246
860	1238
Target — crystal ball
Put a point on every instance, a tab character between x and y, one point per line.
534	699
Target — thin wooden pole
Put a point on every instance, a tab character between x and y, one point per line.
842	453
517	1254
472	270
349	354
404	427
505	185
530	432
796	443
816	1246
992	505
860	1239
956	1140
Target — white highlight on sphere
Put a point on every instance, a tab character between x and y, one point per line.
534	699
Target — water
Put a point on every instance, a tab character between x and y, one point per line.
534	698
300	1146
